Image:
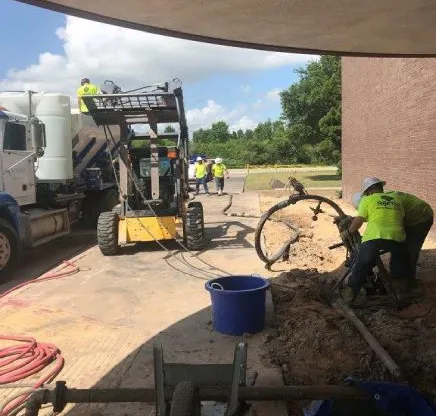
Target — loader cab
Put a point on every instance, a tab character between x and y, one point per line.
168	201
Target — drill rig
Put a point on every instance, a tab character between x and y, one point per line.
153	169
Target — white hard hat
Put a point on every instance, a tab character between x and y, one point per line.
368	182
218	160
199	158
355	200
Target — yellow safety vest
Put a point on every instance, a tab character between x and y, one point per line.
86	89
219	169
200	170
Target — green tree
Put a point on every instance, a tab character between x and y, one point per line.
309	130
312	110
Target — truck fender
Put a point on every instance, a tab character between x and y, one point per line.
10	211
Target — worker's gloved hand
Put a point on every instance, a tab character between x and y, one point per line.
343	222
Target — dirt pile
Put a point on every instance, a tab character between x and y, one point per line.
312	342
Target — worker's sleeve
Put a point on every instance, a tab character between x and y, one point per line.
79	92
363	209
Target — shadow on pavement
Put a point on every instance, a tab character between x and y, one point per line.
34	263
190	341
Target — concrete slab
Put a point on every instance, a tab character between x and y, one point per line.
106	318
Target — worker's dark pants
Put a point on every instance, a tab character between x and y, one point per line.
201	181
416	236
219	184
367	256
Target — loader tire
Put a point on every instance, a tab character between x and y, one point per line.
107	233
194	226
186	400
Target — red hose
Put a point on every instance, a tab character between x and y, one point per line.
47	276
20	361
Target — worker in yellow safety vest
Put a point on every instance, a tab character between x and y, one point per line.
200	172
384	214
86	88
218	170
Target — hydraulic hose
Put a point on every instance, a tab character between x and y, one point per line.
20	361
292	200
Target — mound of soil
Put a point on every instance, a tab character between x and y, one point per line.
312	342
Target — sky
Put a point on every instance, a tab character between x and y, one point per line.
51	52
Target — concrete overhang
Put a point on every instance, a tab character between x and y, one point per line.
345	27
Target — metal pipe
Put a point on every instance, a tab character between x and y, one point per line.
143	395
387	360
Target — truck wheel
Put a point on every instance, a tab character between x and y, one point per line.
194	226
186	400
9	247
107	233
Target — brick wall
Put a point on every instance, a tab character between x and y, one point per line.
389	124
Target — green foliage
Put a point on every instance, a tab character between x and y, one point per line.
309	130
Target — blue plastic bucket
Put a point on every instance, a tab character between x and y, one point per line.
238	304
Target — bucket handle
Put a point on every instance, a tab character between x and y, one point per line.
216	285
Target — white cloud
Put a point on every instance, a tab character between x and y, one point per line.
211	113
133	58
244	123
274	94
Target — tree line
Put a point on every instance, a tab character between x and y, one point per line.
308	131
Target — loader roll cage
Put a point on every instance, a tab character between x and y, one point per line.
154	105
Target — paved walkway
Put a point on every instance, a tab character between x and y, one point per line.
106	318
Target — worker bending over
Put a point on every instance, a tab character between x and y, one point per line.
218	171
418	220
200	173
384	214
86	88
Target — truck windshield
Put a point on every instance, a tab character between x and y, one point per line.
145	167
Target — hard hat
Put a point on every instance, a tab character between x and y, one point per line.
218	160
355	200
85	81
199	158
368	182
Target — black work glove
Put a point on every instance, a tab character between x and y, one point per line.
343	222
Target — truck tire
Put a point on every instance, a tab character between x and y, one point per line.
186	400
9	248
194	226
107	233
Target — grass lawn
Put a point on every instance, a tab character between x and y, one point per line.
315	179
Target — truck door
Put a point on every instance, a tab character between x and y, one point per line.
18	171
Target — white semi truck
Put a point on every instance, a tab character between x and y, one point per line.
56	168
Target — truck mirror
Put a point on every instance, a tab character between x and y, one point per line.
38	133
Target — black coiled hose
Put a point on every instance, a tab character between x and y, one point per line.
292	200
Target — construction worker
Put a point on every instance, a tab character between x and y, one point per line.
384	214
86	88
218	171
418	220
200	173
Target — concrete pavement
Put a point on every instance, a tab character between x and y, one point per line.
106	318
